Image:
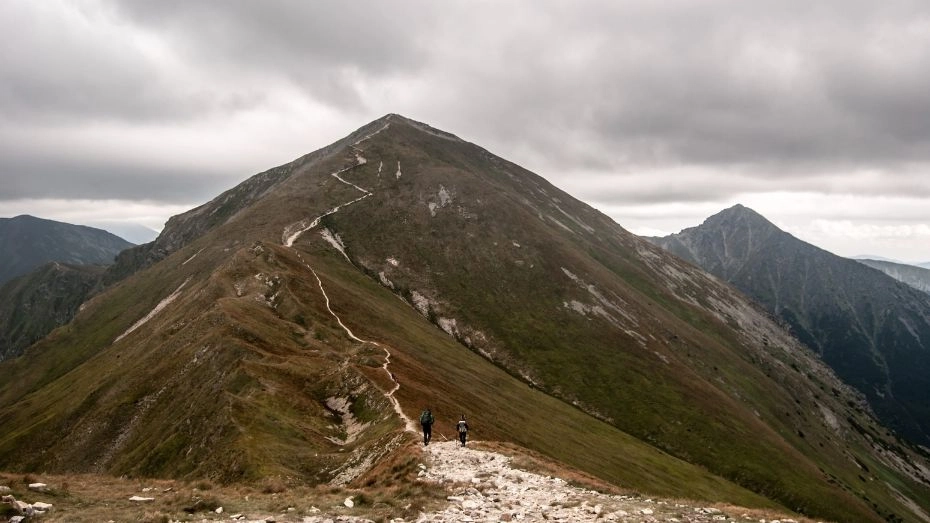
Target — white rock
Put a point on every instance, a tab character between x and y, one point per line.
219	510
646	512
41	487
5	490
348	502
39	505
17	519
140	498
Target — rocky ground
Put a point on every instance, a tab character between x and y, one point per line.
487	488
481	485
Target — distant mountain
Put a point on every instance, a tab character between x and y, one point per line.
916	277
28	242
924	265
873	257
872	329
294	326
33	305
131	232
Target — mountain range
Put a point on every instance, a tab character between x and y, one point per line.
870	328
28	242
295	325
915	276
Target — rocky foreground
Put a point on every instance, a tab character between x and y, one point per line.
486	488
483	486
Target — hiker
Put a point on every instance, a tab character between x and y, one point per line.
462	428
426	420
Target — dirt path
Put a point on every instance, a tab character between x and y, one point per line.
487	488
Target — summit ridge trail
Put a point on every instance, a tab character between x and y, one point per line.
294	231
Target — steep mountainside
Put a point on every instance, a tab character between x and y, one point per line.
870	328
916	277
33	305
293	325
28	242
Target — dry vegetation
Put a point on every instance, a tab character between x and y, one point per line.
388	491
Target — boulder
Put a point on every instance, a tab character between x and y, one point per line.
40	487
39	505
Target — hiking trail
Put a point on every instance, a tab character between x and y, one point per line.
294	231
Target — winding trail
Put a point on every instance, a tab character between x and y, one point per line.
294	231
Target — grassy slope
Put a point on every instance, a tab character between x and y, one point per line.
709	393
284	363
435	370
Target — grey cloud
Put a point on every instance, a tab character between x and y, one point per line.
325	48
776	91
778	86
77	64
28	176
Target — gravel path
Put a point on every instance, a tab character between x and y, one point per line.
486	488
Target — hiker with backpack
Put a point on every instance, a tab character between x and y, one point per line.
462	428
426	421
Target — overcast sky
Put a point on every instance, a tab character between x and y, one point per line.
815	114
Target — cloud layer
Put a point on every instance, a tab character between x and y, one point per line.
636	107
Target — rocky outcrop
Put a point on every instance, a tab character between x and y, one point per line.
23	509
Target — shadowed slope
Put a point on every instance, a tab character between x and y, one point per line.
867	326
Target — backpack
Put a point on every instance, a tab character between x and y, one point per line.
462	426
426	418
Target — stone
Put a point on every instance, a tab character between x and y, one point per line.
39	505
646	512
219	510
348	502
40	487
17	519
140	498
5	490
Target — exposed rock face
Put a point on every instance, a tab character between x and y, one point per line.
872	330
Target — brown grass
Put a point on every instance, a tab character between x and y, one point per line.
388	491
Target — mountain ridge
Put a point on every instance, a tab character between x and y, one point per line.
494	292
29	242
841	308
913	275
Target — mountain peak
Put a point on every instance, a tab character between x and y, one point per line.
742	213
426	128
